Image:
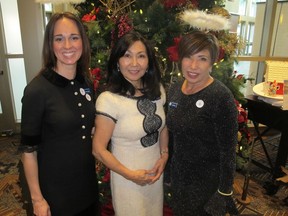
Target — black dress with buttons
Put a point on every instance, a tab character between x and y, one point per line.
57	120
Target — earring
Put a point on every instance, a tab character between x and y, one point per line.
118	68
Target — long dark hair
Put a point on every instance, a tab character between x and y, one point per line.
49	58
116	83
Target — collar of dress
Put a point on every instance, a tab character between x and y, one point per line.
59	80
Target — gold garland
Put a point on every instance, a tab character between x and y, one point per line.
116	7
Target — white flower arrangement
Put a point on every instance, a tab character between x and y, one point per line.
59	1
203	21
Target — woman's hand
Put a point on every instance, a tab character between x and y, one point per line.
160	164
158	168
220	205
141	177
41	207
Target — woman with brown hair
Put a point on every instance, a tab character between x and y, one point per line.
57	121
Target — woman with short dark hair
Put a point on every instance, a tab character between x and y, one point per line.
202	117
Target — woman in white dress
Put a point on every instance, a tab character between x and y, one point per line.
131	115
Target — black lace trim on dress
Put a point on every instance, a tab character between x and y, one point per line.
151	123
29	143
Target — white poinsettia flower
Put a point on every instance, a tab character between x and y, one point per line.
204	21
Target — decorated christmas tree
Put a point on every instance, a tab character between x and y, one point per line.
160	21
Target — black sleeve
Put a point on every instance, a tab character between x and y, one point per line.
226	129
32	117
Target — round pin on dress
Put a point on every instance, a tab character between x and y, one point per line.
88	97
82	91
200	103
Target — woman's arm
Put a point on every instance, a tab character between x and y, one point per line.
30	164
104	127
164	155
164	139
226	127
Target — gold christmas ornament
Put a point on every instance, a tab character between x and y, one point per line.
220	11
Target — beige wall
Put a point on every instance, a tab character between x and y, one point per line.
32	31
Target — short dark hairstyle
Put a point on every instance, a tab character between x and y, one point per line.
116	82
49	58
197	41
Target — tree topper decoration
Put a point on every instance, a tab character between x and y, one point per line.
204	21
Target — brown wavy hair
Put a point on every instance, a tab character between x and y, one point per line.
48	56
